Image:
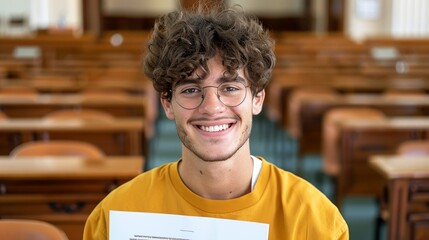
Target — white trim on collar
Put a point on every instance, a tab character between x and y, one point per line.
257	166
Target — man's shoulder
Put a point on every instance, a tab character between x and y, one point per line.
144	183
152	176
292	184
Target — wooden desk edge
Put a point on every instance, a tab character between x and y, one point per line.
380	164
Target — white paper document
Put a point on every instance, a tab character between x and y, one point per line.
150	226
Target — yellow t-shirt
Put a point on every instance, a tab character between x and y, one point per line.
293	208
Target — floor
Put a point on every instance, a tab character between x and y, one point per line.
275	145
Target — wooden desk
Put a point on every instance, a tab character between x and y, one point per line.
46	86
407	181
121	136
39	106
61	190
284	82
52	85
313	109
359	140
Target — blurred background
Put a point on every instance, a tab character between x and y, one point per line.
366	55
356	18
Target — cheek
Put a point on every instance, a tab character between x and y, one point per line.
179	115
246	109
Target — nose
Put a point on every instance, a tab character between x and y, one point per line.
211	103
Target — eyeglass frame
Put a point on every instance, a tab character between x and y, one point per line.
217	94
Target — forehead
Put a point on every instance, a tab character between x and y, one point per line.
212	74
216	73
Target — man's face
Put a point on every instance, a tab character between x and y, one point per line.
213	131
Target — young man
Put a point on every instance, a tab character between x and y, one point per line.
211	69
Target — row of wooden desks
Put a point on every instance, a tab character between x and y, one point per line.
121	136
312	109
359	140
407	182
74	86
61	190
283	83
42	104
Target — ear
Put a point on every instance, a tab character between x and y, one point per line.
258	102
168	109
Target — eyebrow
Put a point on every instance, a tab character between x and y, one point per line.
187	81
227	79
218	81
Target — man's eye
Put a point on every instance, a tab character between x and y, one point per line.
191	91
230	88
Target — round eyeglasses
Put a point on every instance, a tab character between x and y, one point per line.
191	95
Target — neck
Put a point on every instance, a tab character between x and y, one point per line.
217	180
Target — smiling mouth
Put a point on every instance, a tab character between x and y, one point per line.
216	128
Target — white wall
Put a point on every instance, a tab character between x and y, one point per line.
18	8
397	18
367	18
42	14
363	18
410	18
65	13
138	7
271	8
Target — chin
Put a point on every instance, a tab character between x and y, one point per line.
217	156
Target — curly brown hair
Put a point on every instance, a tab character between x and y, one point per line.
183	41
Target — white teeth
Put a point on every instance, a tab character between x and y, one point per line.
216	128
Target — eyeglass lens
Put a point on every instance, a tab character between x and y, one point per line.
191	96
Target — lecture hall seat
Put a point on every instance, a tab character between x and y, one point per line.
414	148
58	148
79	114
331	133
25	229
